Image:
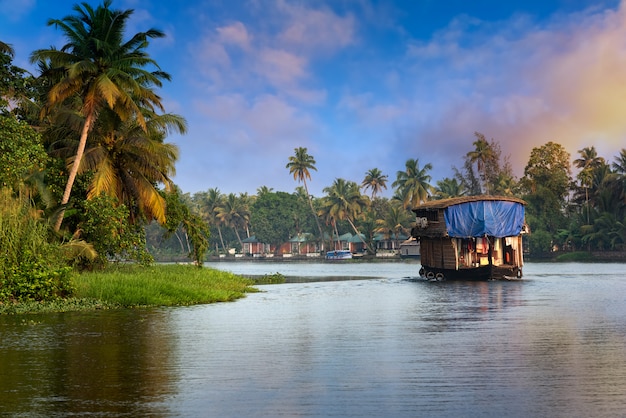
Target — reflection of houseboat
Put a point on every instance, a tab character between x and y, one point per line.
338	255
471	238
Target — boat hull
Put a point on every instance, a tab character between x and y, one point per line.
338	255
481	273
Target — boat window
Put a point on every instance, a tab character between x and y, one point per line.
430	215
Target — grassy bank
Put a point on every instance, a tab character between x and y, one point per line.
129	286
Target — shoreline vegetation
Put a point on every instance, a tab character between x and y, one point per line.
133	286
128	286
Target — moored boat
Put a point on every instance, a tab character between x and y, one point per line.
338	255
471	238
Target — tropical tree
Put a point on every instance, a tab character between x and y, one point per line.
128	162
395	222
546	183
13	85
300	165
412	185
619	165
210	202
448	187
587	163
344	201
102	70
275	217
483	155
233	213
374	180
180	216
21	153
263	190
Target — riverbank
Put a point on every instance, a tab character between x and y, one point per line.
131	286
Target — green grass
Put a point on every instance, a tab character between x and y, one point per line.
128	286
582	256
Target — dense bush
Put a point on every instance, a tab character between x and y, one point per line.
106	226
31	268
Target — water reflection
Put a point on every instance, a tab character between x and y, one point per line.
109	363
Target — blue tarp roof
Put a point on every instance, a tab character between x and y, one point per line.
495	218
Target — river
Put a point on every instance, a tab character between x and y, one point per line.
349	339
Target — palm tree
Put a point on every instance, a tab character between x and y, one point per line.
588	162
344	201
448	187
102	70
374	180
7	49
212	200
412	185
619	165
233	213
394	223
483	154
128	162
263	190
299	165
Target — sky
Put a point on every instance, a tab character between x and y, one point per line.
367	84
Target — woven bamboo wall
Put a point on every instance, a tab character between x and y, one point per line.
438	252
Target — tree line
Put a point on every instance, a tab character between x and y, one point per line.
564	213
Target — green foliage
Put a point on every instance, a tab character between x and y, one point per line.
179	215
278	216
21	152
548	167
412	184
275	278
31	268
106	225
540	242
14	84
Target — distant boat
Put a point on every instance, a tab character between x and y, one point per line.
338	255
471	238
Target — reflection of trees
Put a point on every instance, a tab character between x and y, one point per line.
107	363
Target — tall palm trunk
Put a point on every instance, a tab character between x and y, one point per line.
317	221
219	232
75	166
358	234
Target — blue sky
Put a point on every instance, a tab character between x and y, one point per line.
368	84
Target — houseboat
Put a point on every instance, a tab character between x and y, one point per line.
338	255
471	238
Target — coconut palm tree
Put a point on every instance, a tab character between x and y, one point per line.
344	201
211	201
395	221
588	162
619	165
233	214
129	162
448	187
102	70
7	49
300	165
483	155
412	185
374	180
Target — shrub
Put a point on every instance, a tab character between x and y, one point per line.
31	268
